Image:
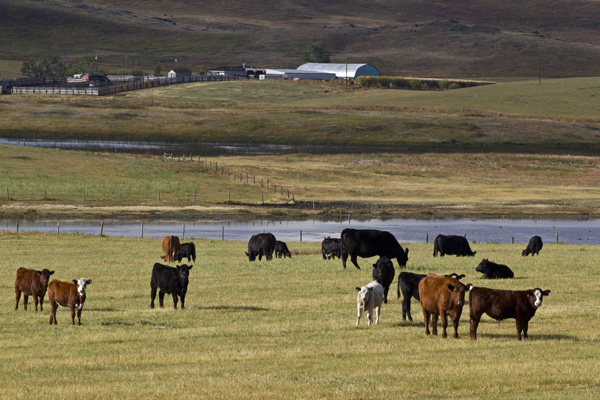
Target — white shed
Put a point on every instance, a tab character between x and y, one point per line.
179	72
295	74
341	70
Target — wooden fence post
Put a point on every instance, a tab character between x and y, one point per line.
101	228
58	228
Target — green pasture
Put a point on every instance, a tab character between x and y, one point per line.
285	329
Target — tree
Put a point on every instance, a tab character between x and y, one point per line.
30	69
157	70
49	67
316	52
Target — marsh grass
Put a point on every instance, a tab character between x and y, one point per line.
285	328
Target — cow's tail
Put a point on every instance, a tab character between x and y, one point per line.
194	253
398	290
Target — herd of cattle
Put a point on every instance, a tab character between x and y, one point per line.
439	296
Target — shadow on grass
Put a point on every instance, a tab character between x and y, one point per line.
233	308
124	323
532	337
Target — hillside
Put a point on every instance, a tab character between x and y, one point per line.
414	37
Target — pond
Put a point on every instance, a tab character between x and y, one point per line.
405	230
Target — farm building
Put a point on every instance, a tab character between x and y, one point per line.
222	71
341	70
179	72
295	74
94	78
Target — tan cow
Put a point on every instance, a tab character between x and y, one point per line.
170	248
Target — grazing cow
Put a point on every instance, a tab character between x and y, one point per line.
369	297
442	296
502	304
170	248
331	248
408	283
452	245
491	270
534	246
281	250
186	250
369	243
384	272
169	280
262	244
67	294
31	283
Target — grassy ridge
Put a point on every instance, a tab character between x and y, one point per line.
285	329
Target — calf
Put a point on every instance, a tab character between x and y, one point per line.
170	247
502	304
186	250
281	250
369	297
331	248
67	294
408	283
534	246
452	245
442	296
31	283
384	272
491	270
169	280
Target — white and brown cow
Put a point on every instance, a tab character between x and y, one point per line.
67	294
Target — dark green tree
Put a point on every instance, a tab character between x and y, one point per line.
157	70
315	52
49	67
30	69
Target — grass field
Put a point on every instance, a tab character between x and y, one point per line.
286	328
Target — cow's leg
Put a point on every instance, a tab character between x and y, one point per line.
519	329
344	257
53	307
525	327
426	320
370	315
25	300
377	313
161	299
434	321
455	323
260	257
35	301
406	309
41	303
385	293
182	299
17	298
79	315
359	314
73	314
152	296
444	319
354	261
473	324
175	300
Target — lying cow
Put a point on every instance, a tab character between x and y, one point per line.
384	272
186	250
262	244
67	294
491	270
452	245
31	283
534	246
369	243
281	250
369	297
442	296
169	280
408	283
331	248
502	304
170	248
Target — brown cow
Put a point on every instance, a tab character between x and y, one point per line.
170	248
442	296
31	283
502	304
67	294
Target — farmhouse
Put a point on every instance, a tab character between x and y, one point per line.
341	71
94	78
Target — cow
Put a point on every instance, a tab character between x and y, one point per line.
408	283
31	283
442	296
534	246
170	248
369	243
491	270
281	250
331	248
186	250
262	244
67	294
502	304
369	297
384	272
452	245
169	280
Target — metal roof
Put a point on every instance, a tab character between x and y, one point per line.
353	70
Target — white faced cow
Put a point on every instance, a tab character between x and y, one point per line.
369	297
67	294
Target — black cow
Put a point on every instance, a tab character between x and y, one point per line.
369	243
534	246
262	244
186	250
169	280
491	270
281	250
452	245
408	283
331	248
384	272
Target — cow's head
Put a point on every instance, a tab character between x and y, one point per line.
364	294
455	276
402	258
536	296
251	256
81	285
183	272
45	276
458	292
483	266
